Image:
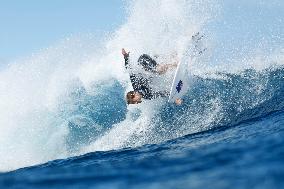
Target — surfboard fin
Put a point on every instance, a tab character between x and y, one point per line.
200	52
197	37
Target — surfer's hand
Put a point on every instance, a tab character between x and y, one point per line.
178	101
124	53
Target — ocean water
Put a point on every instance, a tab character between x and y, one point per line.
64	121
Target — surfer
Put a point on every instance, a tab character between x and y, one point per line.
140	84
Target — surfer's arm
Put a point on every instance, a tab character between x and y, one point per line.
126	58
163	68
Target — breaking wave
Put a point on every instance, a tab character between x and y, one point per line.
69	99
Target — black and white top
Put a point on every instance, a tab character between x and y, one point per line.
140	83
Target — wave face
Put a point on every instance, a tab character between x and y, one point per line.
221	158
68	100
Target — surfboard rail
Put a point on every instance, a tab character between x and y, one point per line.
182	78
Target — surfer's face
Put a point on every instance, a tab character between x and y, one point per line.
133	97
137	98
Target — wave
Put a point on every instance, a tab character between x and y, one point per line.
69	99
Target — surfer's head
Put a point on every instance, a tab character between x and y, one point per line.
133	97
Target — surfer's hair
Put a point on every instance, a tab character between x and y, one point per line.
129	97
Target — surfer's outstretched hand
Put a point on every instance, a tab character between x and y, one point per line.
124	53
178	101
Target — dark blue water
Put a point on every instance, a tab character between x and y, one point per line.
242	149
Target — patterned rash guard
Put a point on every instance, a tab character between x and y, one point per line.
141	84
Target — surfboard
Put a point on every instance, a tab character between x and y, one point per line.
183	78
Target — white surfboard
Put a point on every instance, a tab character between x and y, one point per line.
183	77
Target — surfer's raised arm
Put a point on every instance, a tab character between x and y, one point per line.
125	56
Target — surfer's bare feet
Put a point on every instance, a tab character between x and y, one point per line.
178	101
